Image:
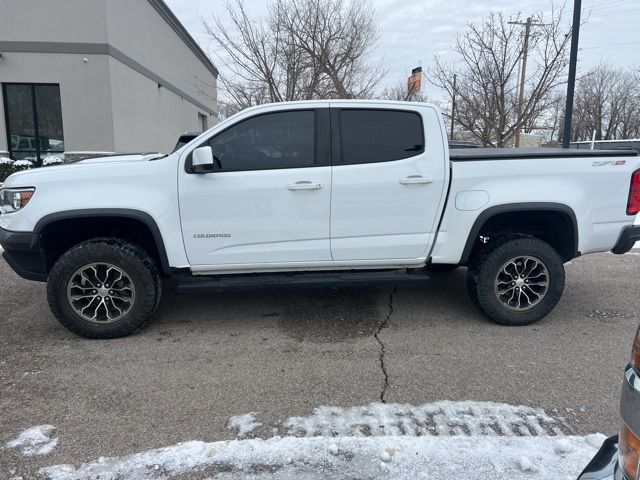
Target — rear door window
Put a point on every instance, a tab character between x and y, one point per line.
371	136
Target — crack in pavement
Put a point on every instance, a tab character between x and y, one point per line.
383	324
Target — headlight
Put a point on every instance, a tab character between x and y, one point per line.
14	199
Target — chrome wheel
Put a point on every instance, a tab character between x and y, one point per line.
101	293
522	283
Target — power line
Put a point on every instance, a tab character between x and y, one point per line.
615	13
611	45
613	5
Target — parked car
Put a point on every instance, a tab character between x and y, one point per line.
315	192
185	138
619	456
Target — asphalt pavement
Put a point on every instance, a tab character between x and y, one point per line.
280	353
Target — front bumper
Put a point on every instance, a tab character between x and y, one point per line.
604	466
23	254
627	239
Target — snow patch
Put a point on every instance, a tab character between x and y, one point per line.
23	163
440	418
435	458
35	440
51	160
438	441
563	446
595	440
525	464
243	424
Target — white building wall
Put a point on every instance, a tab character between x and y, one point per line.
85	94
145	117
53	20
136	29
112	102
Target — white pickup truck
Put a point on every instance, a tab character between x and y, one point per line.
315	192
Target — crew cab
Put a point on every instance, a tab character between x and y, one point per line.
316	192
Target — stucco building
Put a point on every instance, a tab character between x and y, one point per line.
99	76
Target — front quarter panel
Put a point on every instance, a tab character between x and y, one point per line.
149	187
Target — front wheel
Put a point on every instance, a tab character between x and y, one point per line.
104	288
518	282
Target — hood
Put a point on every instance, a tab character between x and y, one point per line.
91	167
125	157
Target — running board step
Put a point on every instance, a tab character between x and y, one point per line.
332	279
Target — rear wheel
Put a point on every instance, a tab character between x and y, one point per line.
518	281
104	288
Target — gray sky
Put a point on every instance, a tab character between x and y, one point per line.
412	31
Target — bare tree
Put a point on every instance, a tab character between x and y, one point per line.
607	102
307	49
487	71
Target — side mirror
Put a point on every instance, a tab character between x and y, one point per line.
202	160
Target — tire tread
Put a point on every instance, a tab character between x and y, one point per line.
86	252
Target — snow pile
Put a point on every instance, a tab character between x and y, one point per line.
35	440
5	161
243	424
440	418
466	440
435	458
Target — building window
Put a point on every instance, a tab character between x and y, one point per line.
33	115
202	118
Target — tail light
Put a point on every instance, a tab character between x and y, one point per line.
635	354
633	204
629	452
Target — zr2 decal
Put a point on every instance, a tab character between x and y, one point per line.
610	163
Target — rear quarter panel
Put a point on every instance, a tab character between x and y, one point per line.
596	189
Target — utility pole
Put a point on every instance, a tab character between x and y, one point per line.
571	82
523	72
453	103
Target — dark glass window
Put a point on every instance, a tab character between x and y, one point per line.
273	140
34	120
370	136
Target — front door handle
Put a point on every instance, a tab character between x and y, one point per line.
415	179
305	185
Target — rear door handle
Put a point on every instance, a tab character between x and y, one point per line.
415	179
305	185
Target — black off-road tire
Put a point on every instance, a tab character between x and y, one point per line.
484	268
132	259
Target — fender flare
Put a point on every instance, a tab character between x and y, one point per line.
144	217
490	212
